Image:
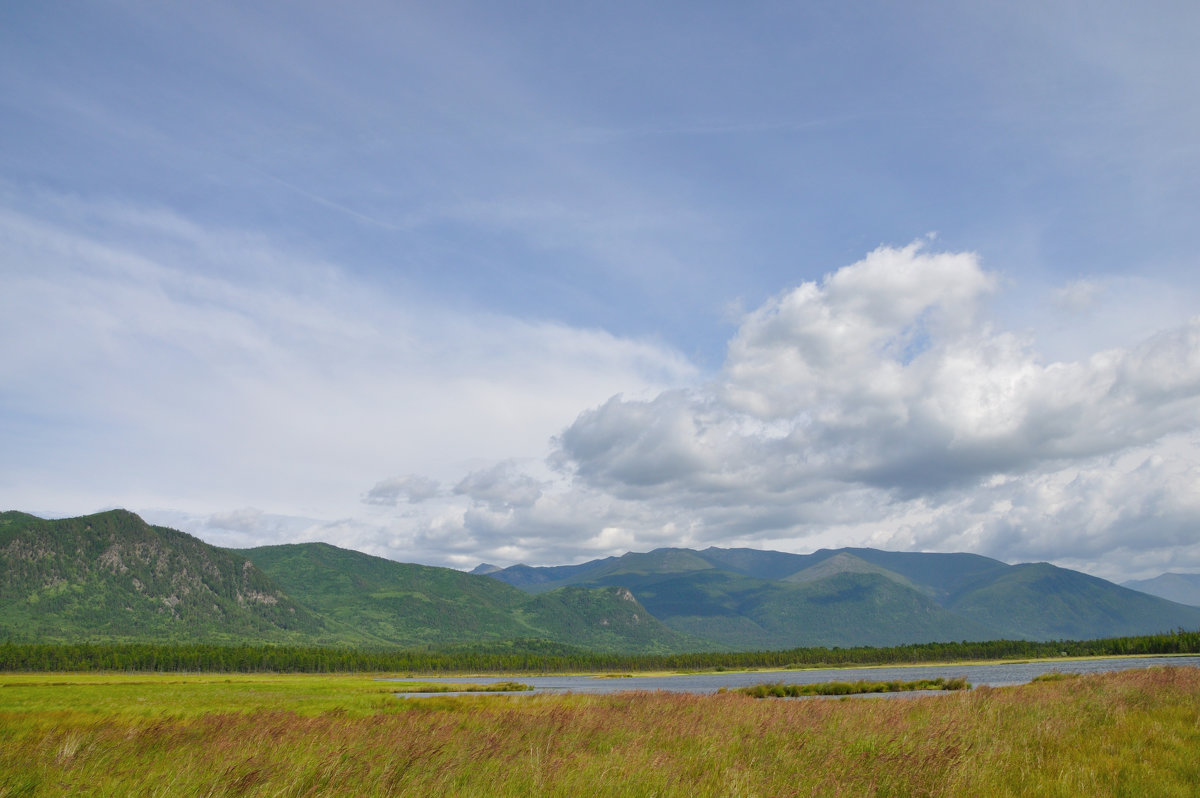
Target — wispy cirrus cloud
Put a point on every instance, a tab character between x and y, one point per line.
210	366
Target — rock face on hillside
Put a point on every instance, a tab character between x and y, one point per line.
112	576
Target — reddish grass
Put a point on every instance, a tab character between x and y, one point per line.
1135	733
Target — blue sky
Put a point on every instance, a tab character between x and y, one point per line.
457	282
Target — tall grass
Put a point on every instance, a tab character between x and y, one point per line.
860	687
1129	733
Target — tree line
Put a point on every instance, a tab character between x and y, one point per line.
541	656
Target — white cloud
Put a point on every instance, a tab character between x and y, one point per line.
500	487
241	528
410	488
878	403
841	418
1078	295
879	406
913	395
1116	515
163	364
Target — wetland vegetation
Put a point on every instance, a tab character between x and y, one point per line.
1128	733
859	687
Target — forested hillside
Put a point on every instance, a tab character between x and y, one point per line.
110	577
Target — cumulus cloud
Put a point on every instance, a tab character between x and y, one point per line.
1132	513
500	487
881	403
831	381
245	527
411	488
878	406
247	519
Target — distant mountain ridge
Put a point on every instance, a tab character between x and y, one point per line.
857	596
111	577
1181	588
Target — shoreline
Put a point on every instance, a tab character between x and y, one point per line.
714	671
613	675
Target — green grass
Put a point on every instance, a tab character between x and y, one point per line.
1130	733
860	687
1055	676
181	696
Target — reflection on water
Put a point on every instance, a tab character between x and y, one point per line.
994	675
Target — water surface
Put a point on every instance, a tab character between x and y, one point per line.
993	675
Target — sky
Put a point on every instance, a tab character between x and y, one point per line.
465	282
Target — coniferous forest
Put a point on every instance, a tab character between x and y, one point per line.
537	656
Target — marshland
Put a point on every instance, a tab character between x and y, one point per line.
1133	732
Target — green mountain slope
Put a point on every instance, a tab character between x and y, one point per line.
608	571
1043	602
111	576
761	564
862	608
405	604
846	563
745	598
535	579
941	573
741	612
382	601
608	619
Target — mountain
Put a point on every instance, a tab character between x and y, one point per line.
844	609
722	595
485	568
388	602
1044	602
112	576
846	563
943	573
1182	588
745	598
608	619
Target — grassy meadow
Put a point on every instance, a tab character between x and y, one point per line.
1133	733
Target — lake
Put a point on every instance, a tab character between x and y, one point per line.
992	675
